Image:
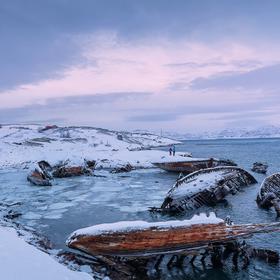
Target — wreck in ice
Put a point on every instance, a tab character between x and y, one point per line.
135	247
269	194
204	187
44	172
139	238
191	165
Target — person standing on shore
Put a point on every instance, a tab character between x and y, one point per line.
173	150
170	151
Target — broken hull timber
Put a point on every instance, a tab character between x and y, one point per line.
190	166
38	182
270	185
157	240
269	194
205	187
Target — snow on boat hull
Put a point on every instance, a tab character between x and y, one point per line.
159	239
191	165
205	187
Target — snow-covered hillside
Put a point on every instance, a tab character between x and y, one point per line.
21	146
261	132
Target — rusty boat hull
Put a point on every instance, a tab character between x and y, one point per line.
155	240
191	165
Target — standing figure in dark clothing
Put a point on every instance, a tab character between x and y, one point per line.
173	150
170	151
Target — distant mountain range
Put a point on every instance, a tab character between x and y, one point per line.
262	132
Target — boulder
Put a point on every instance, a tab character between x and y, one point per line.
126	168
259	167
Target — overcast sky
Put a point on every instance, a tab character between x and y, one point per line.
177	65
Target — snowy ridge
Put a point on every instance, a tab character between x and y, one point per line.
22	146
230	133
127	226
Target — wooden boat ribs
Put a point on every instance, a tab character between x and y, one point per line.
205	187
269	194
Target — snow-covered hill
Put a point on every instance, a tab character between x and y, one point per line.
24	145
262	132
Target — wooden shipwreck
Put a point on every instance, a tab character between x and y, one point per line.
139	238
44	173
38	178
191	165
269	194
205	187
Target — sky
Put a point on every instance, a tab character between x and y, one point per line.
182	65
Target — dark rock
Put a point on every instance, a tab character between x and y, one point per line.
126	168
90	164
260	167
12	215
47	128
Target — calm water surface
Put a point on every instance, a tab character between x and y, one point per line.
79	202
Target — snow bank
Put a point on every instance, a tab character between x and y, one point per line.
22	146
127	226
19	260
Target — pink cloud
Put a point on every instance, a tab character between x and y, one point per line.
117	66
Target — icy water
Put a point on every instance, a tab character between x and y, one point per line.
79	202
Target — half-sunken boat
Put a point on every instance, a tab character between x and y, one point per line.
269	194
190	165
205	187
139	238
38	178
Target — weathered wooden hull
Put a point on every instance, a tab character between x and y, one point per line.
270	185
191	192
38	182
64	172
190	166
269	194
38	178
43	175
155	240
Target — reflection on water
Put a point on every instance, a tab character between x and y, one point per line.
78	202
